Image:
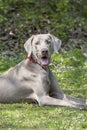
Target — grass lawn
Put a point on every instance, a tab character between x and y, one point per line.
70	69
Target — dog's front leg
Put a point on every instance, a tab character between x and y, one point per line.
50	101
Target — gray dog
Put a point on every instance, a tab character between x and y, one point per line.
32	81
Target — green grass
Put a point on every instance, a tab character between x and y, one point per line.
32	117
70	69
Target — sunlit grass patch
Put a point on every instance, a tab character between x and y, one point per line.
24	116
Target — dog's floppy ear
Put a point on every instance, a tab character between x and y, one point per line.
28	45
56	43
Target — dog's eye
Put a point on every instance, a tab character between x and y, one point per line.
37	43
48	41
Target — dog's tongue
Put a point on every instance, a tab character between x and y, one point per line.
44	61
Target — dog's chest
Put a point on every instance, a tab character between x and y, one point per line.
41	78
42	83
38	80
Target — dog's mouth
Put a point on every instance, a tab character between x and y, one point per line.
44	61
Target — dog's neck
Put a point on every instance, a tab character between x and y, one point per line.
30	58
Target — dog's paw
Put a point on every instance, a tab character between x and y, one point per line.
85	106
86	103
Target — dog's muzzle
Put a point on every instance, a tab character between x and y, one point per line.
44	58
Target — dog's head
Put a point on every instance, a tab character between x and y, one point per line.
41	46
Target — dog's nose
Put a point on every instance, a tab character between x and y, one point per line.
44	51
